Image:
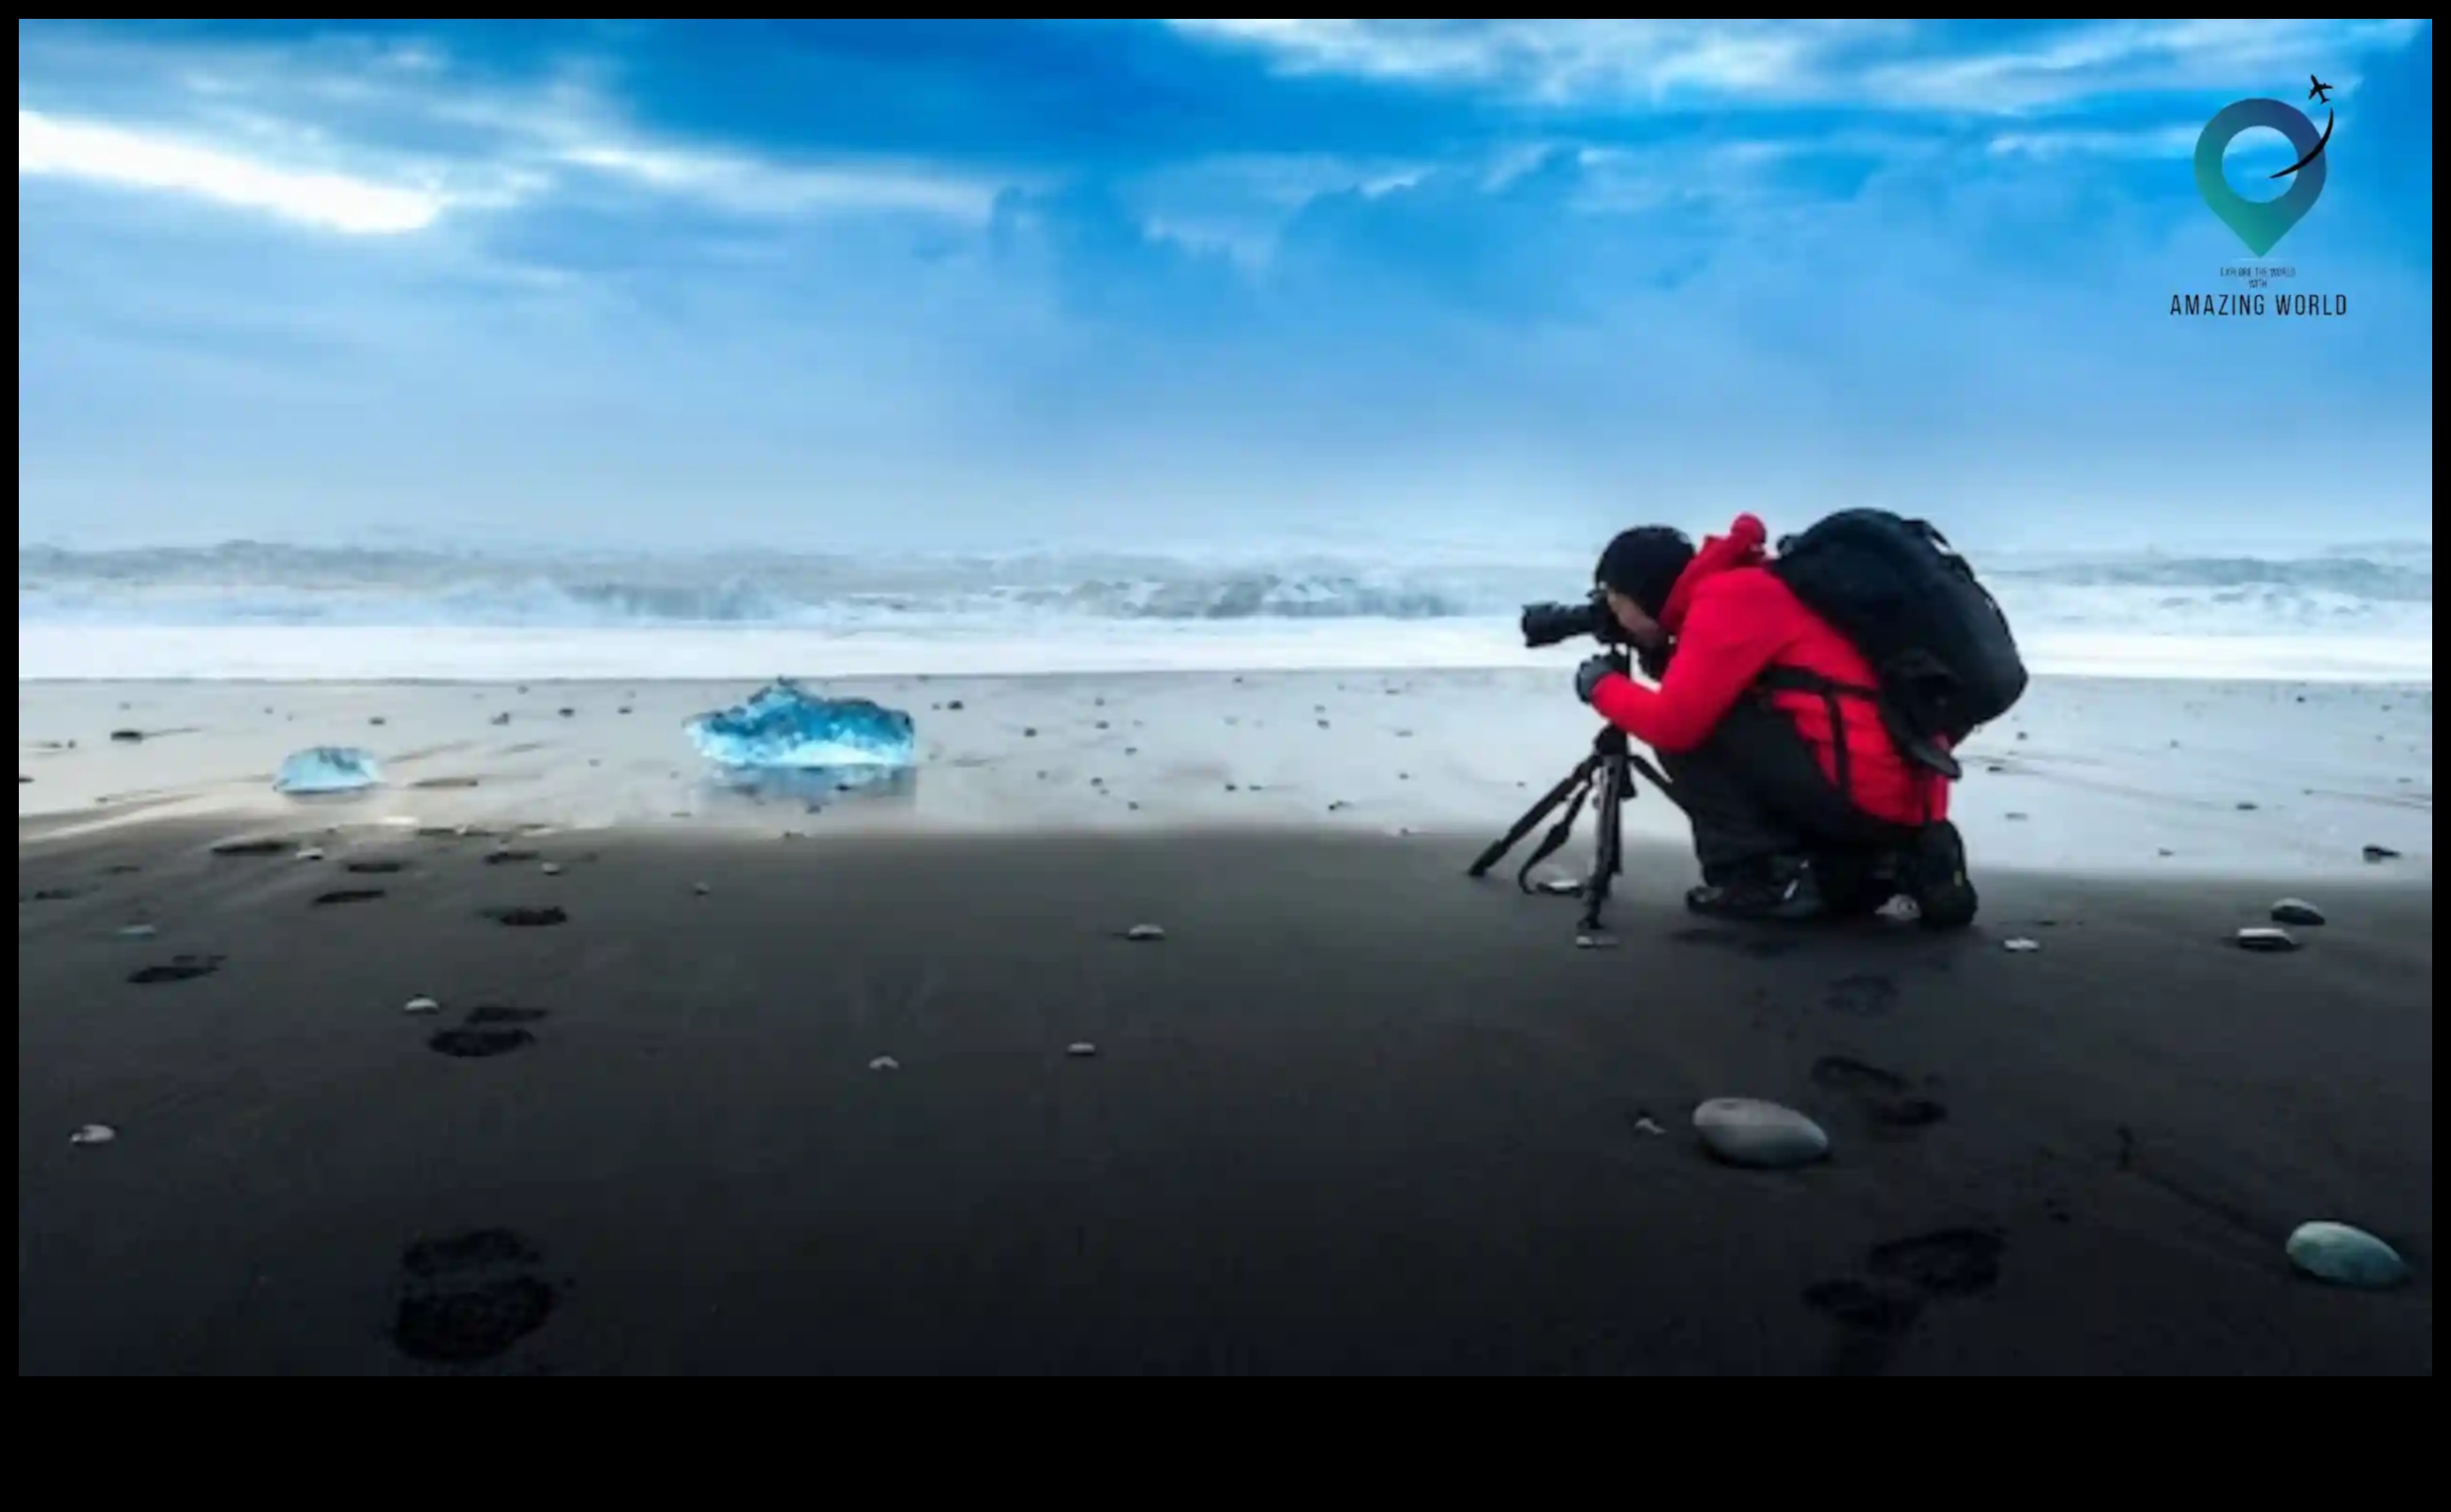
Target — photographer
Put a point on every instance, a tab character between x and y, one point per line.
1802	802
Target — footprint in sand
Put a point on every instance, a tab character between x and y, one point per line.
347	895
252	848
1870	995
1760	945
1878	1309
528	918
468	1298
178	968
486	1032
1883	1098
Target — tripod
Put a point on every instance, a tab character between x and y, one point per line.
1609	769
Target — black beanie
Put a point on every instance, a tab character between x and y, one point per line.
1644	565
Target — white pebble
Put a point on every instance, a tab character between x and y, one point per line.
95	1134
1744	1131
2267	941
1081	1050
311	854
1594	942
421	1004
1145	931
137	932
551	868
2345	1256
1560	886
2021	947
884	1063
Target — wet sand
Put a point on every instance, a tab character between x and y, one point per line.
1353	1114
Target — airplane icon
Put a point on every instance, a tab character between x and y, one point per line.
2320	93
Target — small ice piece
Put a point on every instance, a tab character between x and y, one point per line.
137	932
1144	933
2298	912
328	769
782	727
421	1004
2345	1256
2021	946
2267	941
1081	1050
884	1063
311	852
95	1134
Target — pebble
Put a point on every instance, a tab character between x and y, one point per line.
1594	942
2267	941
95	1134
1081	1050
1145	932
2380	853
2021	946
1560	887
700	888
1763	1136
1644	1126
137	932
311	854
2297	911
551	868
421	1004
884	1063
2345	1256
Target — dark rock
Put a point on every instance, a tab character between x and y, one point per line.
2295	911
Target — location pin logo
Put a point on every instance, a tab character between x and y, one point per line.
2261	224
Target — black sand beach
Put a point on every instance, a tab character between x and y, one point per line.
1353	1114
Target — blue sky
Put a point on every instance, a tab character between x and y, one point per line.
962	284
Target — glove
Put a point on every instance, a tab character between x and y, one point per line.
1588	676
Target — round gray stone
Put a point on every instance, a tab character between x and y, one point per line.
1763	1136
2267	941
2298	912
2345	1256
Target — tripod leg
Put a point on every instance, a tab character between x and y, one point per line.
1608	859
1532	818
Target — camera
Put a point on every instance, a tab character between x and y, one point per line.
1547	625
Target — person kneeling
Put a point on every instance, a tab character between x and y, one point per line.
1801	801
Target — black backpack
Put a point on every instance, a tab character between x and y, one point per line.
1940	648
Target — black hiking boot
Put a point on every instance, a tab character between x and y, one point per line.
1936	878
1785	890
1855	884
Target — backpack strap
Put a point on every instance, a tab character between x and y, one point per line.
1915	749
1829	690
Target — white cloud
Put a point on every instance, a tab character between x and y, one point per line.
48	147
2106	57
2155	142
1875	65
1557	60
750	186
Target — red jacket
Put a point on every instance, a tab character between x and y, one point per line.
1733	621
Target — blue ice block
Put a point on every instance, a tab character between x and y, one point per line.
784	728
328	769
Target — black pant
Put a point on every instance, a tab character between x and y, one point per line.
1755	790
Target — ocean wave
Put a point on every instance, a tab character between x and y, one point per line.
247	583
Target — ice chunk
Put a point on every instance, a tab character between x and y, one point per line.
328	769
784	727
